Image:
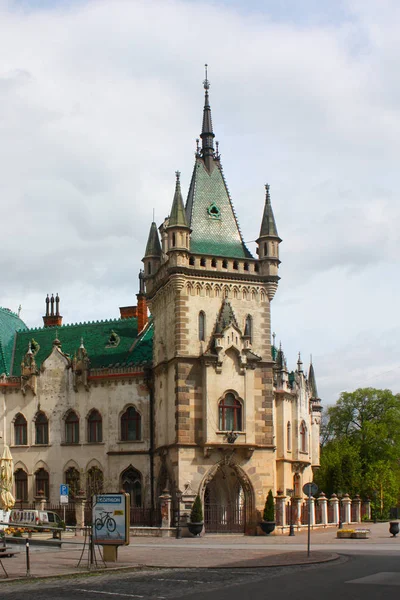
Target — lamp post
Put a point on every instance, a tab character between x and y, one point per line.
374	494
340	496
178	495
291	527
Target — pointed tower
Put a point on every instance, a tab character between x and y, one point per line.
268	245
212	363
315	410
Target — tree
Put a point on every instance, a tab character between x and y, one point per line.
361	446
196	514
269	508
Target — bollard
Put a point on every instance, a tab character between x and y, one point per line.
28	566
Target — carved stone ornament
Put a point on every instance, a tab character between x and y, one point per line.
29	372
80	368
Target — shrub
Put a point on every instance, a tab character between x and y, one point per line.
269	508
196	514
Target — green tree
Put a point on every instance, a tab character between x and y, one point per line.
269	508
361	446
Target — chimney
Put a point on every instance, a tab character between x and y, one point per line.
142	316
52	317
127	312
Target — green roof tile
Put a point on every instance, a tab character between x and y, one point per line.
112	343
9	324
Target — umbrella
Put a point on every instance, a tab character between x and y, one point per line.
7	500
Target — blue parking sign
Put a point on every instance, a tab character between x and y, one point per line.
64	489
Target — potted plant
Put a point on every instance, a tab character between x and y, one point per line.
195	525
268	522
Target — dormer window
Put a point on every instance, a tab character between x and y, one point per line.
213	211
191	261
202	262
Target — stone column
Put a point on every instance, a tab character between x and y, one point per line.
165	505
280	510
80	503
334	501
297	502
323	502
40	502
357	509
367	508
347	508
311	508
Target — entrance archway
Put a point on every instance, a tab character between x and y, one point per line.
228	499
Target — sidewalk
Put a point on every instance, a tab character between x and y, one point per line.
209	551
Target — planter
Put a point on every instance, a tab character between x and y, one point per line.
267	526
344	535
359	535
394	528
195	528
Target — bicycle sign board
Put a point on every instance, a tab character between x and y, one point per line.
111	519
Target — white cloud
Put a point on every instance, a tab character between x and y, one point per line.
100	102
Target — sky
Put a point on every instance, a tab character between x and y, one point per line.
100	104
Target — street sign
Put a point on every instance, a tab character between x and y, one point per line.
310	489
64	489
63	499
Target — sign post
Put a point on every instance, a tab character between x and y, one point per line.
64	492
309	489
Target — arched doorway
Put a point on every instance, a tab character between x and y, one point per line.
228	500
131	481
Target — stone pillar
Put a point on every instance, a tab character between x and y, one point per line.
357	509
334	501
80	503
311	508
367	508
280	510
165	505
297	502
40	502
346	508
323	502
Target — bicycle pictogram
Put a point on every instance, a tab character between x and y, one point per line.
106	520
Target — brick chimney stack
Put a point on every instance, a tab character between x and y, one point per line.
52	317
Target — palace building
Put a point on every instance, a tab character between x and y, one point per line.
185	391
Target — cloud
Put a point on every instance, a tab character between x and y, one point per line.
100	102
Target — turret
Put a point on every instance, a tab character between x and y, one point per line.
177	229
152	256
269	240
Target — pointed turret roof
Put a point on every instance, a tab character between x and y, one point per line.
178	215
312	382
153	247
268	225
209	210
226	317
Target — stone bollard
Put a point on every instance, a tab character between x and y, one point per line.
165	505
334	501
323	502
280	510
347	508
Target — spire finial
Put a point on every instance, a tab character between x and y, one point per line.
273	338
206	83
81	346
178	174
267	195
19	309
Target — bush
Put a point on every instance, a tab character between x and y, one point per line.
196	514
269	508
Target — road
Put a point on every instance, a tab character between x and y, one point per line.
364	577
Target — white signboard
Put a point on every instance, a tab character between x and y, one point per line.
63	499
110	519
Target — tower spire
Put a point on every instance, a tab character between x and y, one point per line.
207	134
178	215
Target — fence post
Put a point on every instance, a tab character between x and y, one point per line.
280	512
165	505
311	508
357	509
323	502
297	502
80	503
367	508
334	500
40	502
347	508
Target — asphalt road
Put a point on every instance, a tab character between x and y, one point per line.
354	577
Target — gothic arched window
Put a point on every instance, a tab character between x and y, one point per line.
21	485
303	437
248	328
20	431
131	481
73	480
72	428
230	413
42	483
94	481
41	429
202	326
289	437
94	427
131	425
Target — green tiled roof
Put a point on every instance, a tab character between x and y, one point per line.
211	216
9	324
112	343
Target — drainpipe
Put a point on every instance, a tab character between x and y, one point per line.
150	387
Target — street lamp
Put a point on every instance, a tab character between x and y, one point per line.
178	495
374	494
340	496
291	528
